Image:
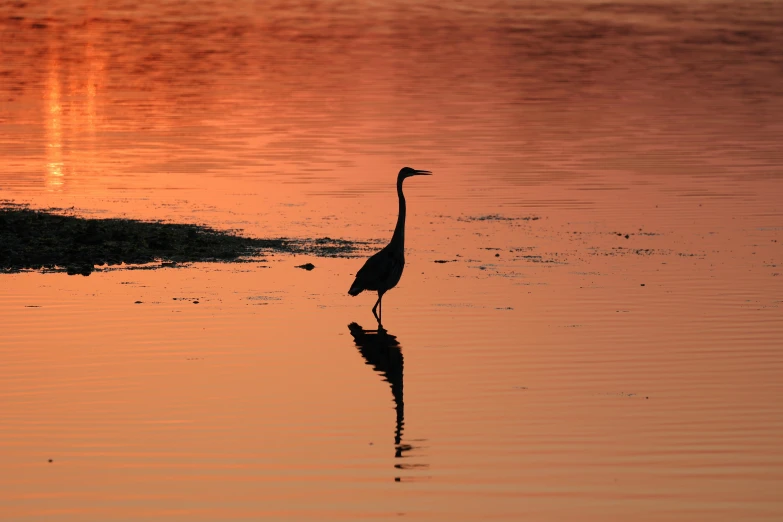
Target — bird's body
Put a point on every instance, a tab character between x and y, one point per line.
383	270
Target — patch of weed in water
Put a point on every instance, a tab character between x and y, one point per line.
497	217
56	240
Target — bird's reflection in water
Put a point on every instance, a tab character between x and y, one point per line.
381	350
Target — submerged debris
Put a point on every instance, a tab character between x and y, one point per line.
306	266
52	240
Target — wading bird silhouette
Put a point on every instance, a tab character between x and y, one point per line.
383	270
382	351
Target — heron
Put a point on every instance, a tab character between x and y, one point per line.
383	270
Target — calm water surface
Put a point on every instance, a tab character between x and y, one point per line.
589	324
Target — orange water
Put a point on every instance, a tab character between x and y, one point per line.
552	369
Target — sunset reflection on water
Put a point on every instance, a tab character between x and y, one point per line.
71	116
54	137
590	312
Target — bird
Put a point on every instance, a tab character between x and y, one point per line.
382	271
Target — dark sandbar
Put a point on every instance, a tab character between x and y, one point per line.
54	240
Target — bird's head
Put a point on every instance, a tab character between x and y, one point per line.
407	172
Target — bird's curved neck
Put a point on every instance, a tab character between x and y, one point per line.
399	231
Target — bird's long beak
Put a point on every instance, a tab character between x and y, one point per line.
422	173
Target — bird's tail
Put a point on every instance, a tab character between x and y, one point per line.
355	290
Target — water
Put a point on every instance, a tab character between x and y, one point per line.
550	369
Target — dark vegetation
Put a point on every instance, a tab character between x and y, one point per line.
52	240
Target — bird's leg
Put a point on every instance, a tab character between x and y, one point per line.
375	307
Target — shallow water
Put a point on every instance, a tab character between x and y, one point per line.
540	364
